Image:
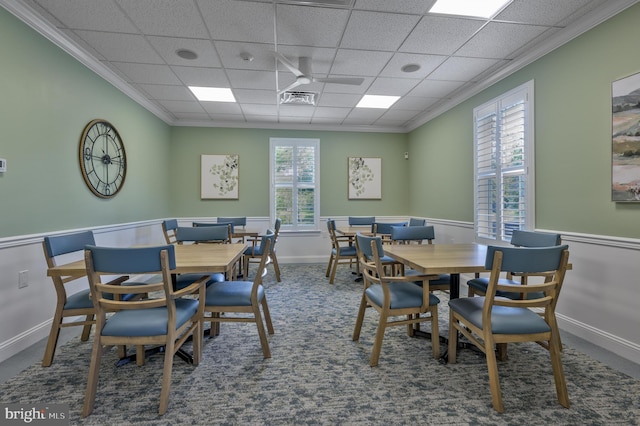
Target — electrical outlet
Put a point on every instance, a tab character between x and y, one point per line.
23	279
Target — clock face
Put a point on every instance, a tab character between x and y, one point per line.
102	158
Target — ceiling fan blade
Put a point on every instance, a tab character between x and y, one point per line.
291	86
355	81
287	63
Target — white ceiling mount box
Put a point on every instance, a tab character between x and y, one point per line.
3	165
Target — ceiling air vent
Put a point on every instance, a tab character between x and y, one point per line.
298	98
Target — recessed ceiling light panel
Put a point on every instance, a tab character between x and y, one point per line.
377	101
481	9
213	94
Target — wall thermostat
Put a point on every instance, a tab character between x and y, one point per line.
3	165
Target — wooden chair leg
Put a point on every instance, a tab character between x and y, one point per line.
435	333
501	349
52	342
267	315
140	355
359	319
166	375
261	332
377	344
92	381
558	372
86	330
276	267
197	335
494	380
453	340
333	270
329	265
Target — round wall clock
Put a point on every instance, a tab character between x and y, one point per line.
103	161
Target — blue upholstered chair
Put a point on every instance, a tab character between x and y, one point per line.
169	227
361	220
363	248
167	320
493	320
414	221
255	252
398	300
229	225
416	235
519	238
204	234
244	298
342	251
235	221
384	228
77	304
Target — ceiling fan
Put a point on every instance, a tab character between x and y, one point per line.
304	76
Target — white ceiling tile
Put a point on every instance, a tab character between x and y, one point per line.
392	86
146	73
177	18
163	92
246	79
250	96
110	47
427	64
338	100
379	31
439	35
415	103
168	46
221	107
541	12
499	40
257	109
183	106
399	6
310	26
360	62
435	88
192	116
331	112
238	20
462	69
196	76
232	53
95	15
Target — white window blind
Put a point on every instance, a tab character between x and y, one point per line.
295	182
503	154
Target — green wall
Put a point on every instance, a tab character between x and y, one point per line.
252	146
572	136
47	98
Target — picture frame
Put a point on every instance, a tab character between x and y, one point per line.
364	178
625	140
219	178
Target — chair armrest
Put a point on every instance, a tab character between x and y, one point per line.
119	280
191	288
410	278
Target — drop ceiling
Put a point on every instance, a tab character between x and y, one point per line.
135	44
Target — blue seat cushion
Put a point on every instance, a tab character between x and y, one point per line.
231	293
185	280
504	319
148	322
443	279
403	295
482	283
346	251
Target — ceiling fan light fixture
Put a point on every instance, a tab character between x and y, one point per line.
298	98
377	101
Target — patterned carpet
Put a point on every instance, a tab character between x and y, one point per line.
318	376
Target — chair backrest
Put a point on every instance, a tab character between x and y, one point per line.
535	239
361	220
210	224
408	234
385	227
236	221
414	221
157	260
169	229
363	247
276	231
204	234
552	261
64	244
331	227
266	240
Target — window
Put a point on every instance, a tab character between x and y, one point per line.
295	183
504	165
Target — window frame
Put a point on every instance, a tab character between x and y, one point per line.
525	94
275	142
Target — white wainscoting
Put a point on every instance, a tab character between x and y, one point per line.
598	302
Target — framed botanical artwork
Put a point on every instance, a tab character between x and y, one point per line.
219	177
365	178
625	142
